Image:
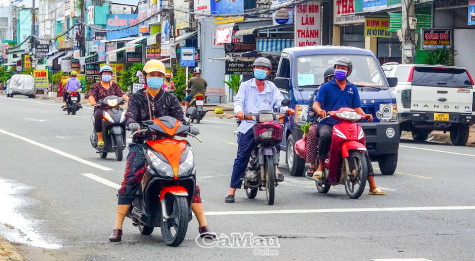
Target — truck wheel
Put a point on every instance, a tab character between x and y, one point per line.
388	163
295	164
420	135
459	135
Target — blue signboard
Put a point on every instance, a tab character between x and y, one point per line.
471	13
373	5
187	56
225	7
115	21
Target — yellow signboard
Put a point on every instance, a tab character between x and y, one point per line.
377	27
27	62
118	69
228	19
41	79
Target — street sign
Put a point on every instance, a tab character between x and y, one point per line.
436	38
187	56
307	24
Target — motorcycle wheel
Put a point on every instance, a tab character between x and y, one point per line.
251	193
119	150
145	230
174	229
355	182
270	180
103	155
74	108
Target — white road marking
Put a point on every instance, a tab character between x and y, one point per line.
102	180
61	137
337	210
30	119
441	151
62	153
402	259
231	123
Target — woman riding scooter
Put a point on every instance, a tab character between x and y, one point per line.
157	102
105	87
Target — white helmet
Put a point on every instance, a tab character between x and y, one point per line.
197	70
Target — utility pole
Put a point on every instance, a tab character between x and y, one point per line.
82	31
407	36
33	26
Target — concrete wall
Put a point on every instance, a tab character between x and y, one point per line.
463	45
213	72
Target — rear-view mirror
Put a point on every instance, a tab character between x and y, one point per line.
285	102
282	83
392	81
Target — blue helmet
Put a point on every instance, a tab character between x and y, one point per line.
105	68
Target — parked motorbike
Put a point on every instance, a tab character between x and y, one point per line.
113	127
198	112
72	103
168	184
346	163
261	169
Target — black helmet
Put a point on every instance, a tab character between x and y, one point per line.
329	72
345	62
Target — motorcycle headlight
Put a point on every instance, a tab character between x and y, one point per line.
301	113
387	112
161	166
107	116
187	165
122	117
112	102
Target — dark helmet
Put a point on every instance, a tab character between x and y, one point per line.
345	62
261	61
329	72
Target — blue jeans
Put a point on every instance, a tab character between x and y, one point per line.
189	97
245	146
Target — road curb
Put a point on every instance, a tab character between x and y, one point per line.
9	252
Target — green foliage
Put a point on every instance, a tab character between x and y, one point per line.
233	84
56	78
27	71
89	83
179	79
442	56
305	128
5	74
129	77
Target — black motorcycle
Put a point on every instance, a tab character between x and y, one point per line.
261	169
168	184
113	127
72	103
197	111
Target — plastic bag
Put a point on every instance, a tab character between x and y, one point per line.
301	148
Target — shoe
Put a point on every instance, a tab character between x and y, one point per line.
205	233
116	235
280	177
229	199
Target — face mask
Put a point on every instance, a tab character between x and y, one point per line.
340	74
155	82
106	78
260	74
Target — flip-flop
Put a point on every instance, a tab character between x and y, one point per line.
377	191
310	172
317	174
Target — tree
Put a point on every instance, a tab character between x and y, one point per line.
56	79
129	77
179	79
5	74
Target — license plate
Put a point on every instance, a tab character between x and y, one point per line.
200	102
74	98
441	117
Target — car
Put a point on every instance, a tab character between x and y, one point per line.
388	67
434	97
23	84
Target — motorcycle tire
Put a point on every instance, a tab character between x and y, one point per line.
119	150
251	193
322	187
270	179
198	120
145	230
295	163
357	164
103	155
74	108
177	209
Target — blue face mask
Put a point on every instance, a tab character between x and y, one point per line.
106	77
260	74
340	74
155	82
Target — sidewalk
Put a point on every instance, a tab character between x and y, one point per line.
8	252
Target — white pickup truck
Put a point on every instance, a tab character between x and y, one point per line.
434	97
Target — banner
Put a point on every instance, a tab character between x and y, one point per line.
377	27
134	57
226	7
436	38
42	50
307	24
116	21
153	53
344	12
27	62
471	12
41	79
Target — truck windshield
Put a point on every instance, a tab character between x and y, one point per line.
366	71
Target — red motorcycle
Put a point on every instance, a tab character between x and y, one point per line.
346	163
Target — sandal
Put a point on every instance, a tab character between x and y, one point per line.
310	172
377	191
317	174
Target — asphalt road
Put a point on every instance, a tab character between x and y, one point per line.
56	212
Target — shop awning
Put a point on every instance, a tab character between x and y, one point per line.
7	64
121	49
137	40
119	40
49	61
14	60
273	45
69	55
251	31
180	38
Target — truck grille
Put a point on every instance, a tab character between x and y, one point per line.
370	132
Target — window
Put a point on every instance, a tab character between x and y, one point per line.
441	76
402	73
284	68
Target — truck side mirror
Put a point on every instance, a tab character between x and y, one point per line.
282	83
285	102
392	81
